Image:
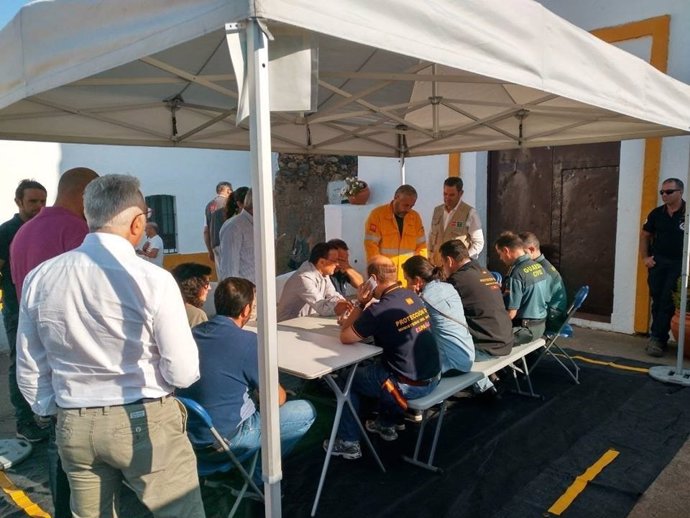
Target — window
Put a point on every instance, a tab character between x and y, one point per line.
163	212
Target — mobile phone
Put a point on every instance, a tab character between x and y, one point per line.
371	283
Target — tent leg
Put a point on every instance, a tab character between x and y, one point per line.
264	252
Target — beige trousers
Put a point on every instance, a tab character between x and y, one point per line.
143	445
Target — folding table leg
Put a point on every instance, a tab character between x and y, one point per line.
341	397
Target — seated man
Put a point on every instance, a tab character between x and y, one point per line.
229	368
410	367
345	279
558	301
485	312
310	291
526	289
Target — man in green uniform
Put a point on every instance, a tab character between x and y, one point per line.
526	289
558	300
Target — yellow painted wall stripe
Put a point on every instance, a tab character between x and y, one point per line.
454	164
20	498
581	482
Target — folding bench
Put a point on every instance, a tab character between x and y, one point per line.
451	385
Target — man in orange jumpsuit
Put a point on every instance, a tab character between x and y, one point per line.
395	230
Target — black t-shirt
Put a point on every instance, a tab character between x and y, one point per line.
485	312
667	232
7	232
400	324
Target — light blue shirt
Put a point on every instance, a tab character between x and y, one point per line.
455	344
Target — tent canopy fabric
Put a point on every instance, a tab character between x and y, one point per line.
390	77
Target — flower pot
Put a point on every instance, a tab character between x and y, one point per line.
675	327
361	197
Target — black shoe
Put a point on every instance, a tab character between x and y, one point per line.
31	432
655	348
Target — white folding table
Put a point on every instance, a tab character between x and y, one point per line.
310	348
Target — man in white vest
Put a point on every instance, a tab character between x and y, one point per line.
455	219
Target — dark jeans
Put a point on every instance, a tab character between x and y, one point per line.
662	280
22	410
59	485
367	382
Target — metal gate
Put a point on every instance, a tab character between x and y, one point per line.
568	197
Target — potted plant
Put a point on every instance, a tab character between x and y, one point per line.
675	320
355	190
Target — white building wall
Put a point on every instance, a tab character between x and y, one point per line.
190	175
19	160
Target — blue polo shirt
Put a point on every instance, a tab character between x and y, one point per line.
229	368
400	324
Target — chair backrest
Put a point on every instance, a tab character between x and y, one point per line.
194	407
497	276
580	296
579	299
280	283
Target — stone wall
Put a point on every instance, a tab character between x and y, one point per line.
300	194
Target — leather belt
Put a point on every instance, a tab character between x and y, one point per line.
527	322
416	383
146	400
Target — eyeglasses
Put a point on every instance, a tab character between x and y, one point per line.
668	191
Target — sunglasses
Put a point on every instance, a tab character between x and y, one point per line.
668	191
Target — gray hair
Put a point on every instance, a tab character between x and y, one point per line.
107	200
248	201
153	225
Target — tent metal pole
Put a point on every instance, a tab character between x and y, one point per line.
402	168
662	372
264	252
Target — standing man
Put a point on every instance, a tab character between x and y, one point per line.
152	247
410	365
526	289
395	230
104	352
661	251
215	221
30	198
345	279
558	300
455	219
237	243
490	327
55	230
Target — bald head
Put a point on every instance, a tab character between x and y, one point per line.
70	194
383	269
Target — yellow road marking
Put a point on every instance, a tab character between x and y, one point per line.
20	498
580	482
612	364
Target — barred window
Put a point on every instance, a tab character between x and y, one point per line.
162	207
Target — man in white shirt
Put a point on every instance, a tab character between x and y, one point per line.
310	291
152	247
455	219
102	342
237	243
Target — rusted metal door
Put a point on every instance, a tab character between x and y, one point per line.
568	197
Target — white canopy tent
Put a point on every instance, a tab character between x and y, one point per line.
379	78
